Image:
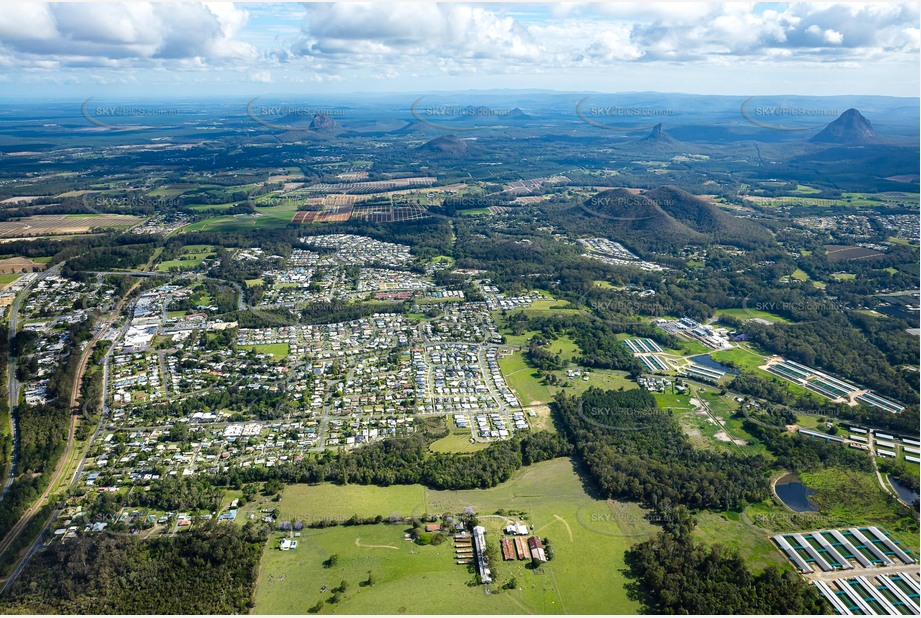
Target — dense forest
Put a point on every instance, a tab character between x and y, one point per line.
209	570
678	575
637	452
6	439
115	256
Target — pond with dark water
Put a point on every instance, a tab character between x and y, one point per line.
904	492
794	494
707	361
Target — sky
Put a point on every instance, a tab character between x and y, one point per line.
63	50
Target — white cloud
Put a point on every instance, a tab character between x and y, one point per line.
468	38
261	77
123	35
442	43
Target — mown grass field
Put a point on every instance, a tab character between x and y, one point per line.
689	347
265	218
742	358
589	537
277	350
532	391
457	442
523	381
747	314
191	256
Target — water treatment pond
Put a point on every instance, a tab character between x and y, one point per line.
794	494
707	361
904	492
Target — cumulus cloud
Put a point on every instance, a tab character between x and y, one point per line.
338	41
456	37
366	31
123	35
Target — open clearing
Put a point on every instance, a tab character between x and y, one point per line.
12	265
531	390
589	537
457	442
277	350
749	313
192	256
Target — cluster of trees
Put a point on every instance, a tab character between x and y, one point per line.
210	570
265	405
404	461
635	451
540	357
42	431
111	257
678	575
62	248
6	439
341	311
801	454
400	461
172	494
596	340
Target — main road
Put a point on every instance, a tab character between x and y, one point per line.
65	459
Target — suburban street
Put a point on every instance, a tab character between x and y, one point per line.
13	383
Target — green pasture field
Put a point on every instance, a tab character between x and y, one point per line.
277	350
242	223
589	537
521	378
747	314
457	442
